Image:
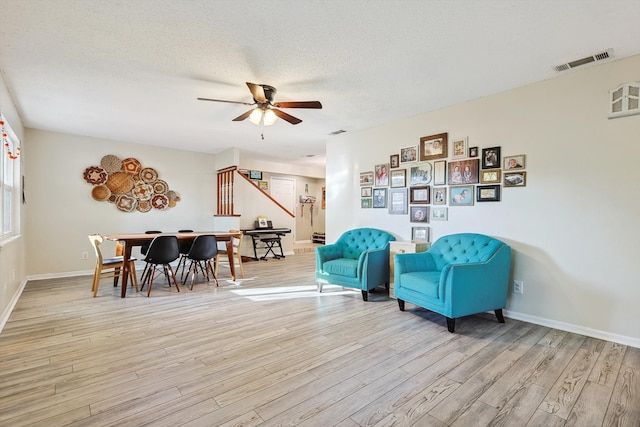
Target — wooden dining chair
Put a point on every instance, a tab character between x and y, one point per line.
109	267
222	253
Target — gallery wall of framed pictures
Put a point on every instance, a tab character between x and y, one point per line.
423	181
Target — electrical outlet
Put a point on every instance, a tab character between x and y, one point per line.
518	287
85	255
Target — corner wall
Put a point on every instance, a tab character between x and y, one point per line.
573	228
12	250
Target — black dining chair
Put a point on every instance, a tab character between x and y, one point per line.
203	250
185	246
145	247
163	250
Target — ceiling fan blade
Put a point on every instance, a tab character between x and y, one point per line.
243	116
287	117
257	91
222	100
299	104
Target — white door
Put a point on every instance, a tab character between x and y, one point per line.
284	191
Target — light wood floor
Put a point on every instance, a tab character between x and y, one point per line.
269	351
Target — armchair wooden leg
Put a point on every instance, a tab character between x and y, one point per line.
401	304
499	315
451	324
386	286
365	295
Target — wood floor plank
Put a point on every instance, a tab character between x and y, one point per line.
269	350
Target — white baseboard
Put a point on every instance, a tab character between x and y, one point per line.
12	304
576	329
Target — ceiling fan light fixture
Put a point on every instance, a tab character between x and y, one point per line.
263	116
269	117
256	116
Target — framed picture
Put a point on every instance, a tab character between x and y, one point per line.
398	201
490	176
366	178
433	147
491	158
379	197
439	214
420	234
399	178
365	203
264	185
394	161
255	175
381	177
366	192
419	194
440	172
460	147
488	193
263	222
324	197
420	174
409	154
419	214
464	172
473	152
515	179
461	196
439	195
514	162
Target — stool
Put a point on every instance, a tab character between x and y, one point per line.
270	244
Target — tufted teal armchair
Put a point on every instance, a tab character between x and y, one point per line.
359	259
461	274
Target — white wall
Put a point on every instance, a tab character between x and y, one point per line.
573	228
62	212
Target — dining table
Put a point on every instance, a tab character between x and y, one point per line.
129	240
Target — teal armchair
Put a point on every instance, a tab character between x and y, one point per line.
359	259
460	275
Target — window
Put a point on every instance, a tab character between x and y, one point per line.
624	100
9	179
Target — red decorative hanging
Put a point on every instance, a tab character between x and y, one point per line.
5	141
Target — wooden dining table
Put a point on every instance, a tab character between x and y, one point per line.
129	240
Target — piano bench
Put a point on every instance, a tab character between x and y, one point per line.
270	244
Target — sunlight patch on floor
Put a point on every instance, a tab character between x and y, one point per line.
290	292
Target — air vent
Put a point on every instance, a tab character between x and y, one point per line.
589	59
337	132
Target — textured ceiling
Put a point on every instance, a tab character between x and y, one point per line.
132	70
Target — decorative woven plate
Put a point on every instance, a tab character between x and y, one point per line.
112	198
160	201
144	206
131	166
148	175
172	203
142	190
160	187
111	163
119	183
100	193
171	195
95	175
126	203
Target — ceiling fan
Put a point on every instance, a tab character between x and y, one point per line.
266	111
